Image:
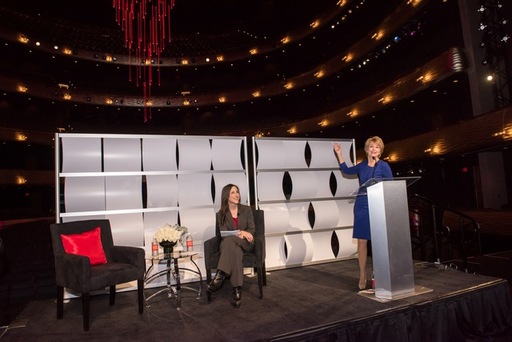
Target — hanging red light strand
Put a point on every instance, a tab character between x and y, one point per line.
147	29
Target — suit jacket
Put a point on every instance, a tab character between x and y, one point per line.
245	221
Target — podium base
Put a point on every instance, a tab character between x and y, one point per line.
418	290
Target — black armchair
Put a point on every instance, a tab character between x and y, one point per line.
73	271
254	258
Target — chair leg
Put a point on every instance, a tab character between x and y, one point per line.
85	310
140	290
260	281
60	302
112	296
208	280
264	273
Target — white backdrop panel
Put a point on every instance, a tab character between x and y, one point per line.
84	194
300	248
162	191
123	192
155	220
277	218
345	212
226	154
345	151
324	217
275	257
304	184
81	154
83	218
298	214
238	178
346	184
159	154
295	154
200	223
188	185
121	154
127	229
348	246
271	154
322	246
194	154
322	154
323	188
270	186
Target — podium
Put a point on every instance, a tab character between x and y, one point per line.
391	237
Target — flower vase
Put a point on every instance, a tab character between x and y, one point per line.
168	247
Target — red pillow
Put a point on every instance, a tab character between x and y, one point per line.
87	244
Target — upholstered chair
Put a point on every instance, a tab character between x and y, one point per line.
254	258
87	260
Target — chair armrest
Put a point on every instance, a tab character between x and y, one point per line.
72	271
130	255
211	247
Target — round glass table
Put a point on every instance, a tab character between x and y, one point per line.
172	271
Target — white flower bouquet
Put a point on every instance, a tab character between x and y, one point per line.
170	233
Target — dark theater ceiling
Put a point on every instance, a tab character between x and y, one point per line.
264	93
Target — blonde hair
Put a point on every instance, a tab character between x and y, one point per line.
376	140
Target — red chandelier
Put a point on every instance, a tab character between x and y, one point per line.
147	28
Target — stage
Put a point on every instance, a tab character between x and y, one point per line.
311	303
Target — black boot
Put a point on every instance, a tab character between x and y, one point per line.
216	282
237	296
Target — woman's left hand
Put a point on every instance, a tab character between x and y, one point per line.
245	235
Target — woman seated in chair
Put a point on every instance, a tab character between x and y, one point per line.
236	217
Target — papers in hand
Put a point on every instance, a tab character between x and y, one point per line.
225	233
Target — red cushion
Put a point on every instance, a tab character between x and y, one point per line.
87	244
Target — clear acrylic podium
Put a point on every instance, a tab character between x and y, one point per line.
391	237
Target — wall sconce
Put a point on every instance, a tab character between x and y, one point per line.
289	85
319	74
285	40
21	180
20	136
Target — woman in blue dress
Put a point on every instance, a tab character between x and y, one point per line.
371	167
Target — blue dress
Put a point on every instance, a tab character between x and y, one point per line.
361	213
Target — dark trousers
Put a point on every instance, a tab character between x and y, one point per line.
231	258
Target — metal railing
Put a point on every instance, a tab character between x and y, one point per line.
444	232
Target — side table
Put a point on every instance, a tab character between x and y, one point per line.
173	269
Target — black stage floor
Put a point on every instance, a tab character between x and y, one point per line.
311	303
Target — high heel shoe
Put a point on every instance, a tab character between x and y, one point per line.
362	284
237	296
216	282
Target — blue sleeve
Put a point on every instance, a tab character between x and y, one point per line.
383	170
349	170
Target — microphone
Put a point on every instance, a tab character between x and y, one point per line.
374	166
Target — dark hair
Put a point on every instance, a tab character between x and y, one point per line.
224	197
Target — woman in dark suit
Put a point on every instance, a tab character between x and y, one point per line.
238	218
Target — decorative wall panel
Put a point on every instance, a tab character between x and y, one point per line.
141	182
307	201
